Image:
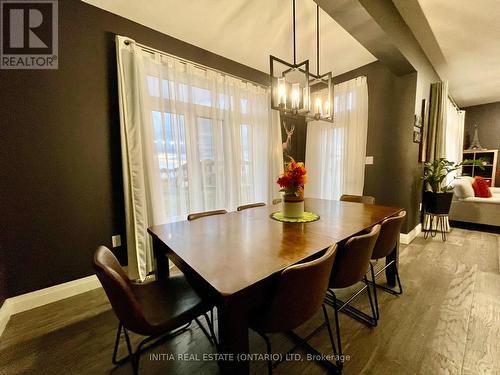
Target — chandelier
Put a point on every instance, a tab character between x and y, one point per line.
290	82
321	88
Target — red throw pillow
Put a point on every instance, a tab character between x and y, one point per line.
481	188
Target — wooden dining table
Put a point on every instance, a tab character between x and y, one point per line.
236	258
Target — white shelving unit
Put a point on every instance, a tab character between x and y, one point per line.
490	164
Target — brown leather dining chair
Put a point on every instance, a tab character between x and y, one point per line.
199	215
252	205
350	267
386	243
157	309
366	199
298	296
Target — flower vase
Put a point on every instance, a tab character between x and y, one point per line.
293	207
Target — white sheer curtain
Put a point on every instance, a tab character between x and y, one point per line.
454	135
192	139
335	153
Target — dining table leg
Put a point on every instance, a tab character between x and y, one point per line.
161	259
233	336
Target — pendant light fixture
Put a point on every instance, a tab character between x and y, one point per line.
290	82
321	88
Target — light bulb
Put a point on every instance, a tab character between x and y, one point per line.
295	98
327	107
281	91
318	105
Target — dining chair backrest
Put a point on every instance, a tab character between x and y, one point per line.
299	293
366	199
353	259
117	286
199	215
253	205
389	235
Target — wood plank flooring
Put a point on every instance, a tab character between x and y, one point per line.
446	322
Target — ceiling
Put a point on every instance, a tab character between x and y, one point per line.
468	36
248	31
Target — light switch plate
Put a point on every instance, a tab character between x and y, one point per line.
116	240
369	160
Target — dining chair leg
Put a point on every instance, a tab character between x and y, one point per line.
330	335
204	330
372	271
269	356
117	344
302	342
135	357
337	327
353	312
388	290
210	324
132	356
374	313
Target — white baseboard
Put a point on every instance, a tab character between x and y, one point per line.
406	238
17	304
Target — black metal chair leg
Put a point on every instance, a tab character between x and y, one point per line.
117	343
389	290
133	360
377	313
330	335
130	355
337	328
374	313
204	330
269	357
210	324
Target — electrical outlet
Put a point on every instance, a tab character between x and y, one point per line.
369	160
116	240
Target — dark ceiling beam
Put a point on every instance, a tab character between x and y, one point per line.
357	21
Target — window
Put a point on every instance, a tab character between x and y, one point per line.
336	152
246	163
170	146
204	139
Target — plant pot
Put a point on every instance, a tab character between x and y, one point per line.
293	209
437	203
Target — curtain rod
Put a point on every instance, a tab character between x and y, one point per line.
453	102
186	61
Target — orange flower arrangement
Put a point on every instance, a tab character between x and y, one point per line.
293	180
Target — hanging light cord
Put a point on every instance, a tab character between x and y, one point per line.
294	43
317	40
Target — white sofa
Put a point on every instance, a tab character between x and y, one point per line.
468	208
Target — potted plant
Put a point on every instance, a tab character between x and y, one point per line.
292	185
438	194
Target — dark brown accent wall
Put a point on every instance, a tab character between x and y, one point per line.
394	178
487	116
61	187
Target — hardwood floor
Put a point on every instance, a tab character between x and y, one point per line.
446	322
